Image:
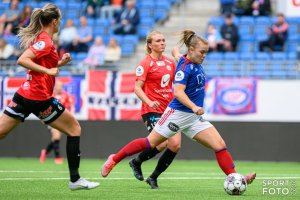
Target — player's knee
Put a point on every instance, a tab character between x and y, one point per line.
76	130
174	147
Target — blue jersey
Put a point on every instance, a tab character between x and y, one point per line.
191	75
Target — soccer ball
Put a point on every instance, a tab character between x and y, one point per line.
235	184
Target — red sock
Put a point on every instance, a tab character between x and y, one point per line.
131	148
225	161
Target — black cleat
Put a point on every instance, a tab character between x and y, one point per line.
152	182
137	171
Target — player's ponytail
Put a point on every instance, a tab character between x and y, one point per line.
190	39
39	18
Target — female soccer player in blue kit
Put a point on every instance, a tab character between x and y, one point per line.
185	111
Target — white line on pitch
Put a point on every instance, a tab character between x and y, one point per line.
162	178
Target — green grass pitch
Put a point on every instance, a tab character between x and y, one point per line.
185	179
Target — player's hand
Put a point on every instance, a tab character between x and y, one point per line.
65	59
154	104
52	71
198	110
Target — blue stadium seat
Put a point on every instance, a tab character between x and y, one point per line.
264	74
260	29
231	73
262	20
127	49
131	39
216	21
102	22
213	73
214	56
143	30
80	56
262	56
278	56
75	5
99	31
231	56
292	55
261	37
245	29
245	47
247	20
247	56
247	38
278	74
291	47
146	4
146	12
61	4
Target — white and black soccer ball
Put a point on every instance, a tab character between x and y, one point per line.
235	184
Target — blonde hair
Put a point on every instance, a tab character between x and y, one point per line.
191	39
149	40
39	18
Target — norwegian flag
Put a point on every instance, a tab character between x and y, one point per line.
97	97
128	104
10	86
110	96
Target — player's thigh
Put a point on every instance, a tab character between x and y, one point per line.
67	124
210	138
7	124
155	139
174	142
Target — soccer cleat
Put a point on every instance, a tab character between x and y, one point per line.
59	161
137	171
43	156
250	177
108	166
82	184
152	182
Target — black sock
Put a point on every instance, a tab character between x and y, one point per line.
73	155
56	148
49	147
145	155
163	163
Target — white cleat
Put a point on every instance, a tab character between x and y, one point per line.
83	184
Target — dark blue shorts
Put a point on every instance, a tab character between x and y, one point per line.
47	111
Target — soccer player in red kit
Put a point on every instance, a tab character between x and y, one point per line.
35	94
153	85
67	101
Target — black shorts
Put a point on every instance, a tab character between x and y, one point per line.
47	111
150	120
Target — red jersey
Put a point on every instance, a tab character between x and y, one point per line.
64	98
39	86
158	76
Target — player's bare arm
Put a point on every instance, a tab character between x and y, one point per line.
25	60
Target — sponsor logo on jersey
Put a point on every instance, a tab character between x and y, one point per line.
151	63
179	76
169	67
160	63
165	80
173	127
39	45
139	71
168	61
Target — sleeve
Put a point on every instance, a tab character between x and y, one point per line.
141	71
182	74
41	47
